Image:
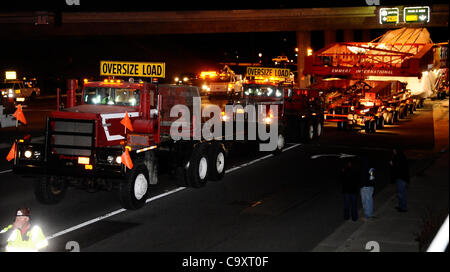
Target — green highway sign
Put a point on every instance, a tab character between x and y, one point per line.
389	15
416	14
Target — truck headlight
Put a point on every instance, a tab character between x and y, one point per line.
119	159
28	154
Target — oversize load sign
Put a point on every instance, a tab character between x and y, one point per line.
268	72
389	15
137	69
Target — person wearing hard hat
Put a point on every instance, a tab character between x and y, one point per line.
23	237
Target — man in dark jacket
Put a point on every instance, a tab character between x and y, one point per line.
400	176
350	179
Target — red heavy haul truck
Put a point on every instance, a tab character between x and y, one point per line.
85	145
300	111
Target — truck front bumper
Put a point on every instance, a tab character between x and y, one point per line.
40	163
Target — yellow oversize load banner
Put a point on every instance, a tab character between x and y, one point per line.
136	69
267	72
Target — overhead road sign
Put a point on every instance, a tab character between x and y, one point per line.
416	14
136	69
389	15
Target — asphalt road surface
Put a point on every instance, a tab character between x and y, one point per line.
289	202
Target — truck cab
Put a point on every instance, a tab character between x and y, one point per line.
18	90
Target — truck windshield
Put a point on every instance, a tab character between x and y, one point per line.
6	85
111	96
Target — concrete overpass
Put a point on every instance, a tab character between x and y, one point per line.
302	21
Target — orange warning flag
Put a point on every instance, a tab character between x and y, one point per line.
127	122
126	159
19	115
12	153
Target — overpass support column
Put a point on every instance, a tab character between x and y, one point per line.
366	35
349	35
330	36
303	44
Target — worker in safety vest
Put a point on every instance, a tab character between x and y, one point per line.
22	236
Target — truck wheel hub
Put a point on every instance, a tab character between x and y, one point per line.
311	132
319	129
140	186
280	142
202	168
220	162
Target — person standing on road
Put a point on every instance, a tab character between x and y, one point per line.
367	188
400	176
350	186
23	237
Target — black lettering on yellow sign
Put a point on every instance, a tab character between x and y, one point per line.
139	69
267	72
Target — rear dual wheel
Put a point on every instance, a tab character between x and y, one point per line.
207	162
217	159
197	171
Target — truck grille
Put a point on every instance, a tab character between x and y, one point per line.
72	137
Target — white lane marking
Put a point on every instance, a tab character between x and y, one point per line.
257	160
6	171
165	194
291	147
109	215
151	199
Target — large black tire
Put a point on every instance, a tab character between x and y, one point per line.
50	189
367	127
217	161
197	172
308	132
390	118
133	191
373	126
319	129
395	119
380	124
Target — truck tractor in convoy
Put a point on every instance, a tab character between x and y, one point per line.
18	91
299	111
303	114
223	84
